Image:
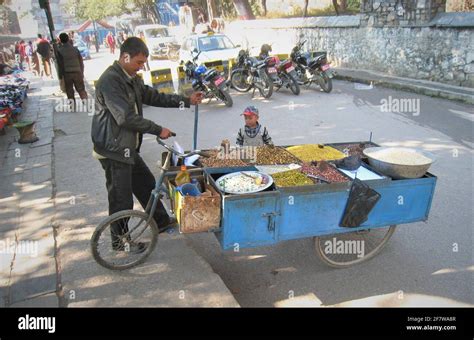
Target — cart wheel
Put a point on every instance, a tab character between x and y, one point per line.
356	247
136	241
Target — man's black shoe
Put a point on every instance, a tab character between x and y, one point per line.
170	225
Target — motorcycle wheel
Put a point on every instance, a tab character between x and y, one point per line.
292	84
326	83
300	77
239	81
225	97
267	91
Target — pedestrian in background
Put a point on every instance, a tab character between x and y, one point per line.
44	50
35	62
71	38
111	42
22	52
71	69
120	39
87	39
146	67
17	52
29	54
95	42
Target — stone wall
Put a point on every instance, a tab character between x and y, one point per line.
444	55
384	13
441	50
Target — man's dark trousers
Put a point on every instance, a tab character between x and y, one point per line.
125	180
75	80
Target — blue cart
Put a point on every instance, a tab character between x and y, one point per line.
277	214
288	213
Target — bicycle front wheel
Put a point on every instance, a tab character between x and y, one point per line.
124	240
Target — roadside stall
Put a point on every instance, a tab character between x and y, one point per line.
322	191
13	91
349	197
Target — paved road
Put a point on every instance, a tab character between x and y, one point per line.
423	264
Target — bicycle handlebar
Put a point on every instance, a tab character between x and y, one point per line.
179	154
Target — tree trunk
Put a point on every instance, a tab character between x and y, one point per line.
305	11
343	6
336	6
264	7
211	9
244	10
154	14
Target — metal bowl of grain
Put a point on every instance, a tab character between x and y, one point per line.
398	162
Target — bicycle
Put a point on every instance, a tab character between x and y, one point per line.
131	242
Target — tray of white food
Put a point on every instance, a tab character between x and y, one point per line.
244	182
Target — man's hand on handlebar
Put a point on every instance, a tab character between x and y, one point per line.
166	133
196	98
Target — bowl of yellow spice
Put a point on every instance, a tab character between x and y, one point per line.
315	152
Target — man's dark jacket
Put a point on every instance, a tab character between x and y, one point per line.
115	123
69	60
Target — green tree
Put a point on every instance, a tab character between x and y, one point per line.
96	9
147	9
227	9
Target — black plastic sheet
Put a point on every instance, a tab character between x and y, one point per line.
362	199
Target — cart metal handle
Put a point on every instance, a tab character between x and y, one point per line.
179	154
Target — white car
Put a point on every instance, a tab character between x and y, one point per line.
211	46
157	38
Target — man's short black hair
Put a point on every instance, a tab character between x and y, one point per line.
40	36
64	38
134	46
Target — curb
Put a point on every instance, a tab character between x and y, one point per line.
425	90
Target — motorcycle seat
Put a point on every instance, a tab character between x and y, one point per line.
319	58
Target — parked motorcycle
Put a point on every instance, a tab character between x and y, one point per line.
312	70
283	74
209	81
251	73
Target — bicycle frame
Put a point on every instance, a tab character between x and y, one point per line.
155	194
164	172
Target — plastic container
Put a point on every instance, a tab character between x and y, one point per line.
183	176
189	189
196	183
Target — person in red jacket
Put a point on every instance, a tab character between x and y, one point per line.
111	42
22	52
